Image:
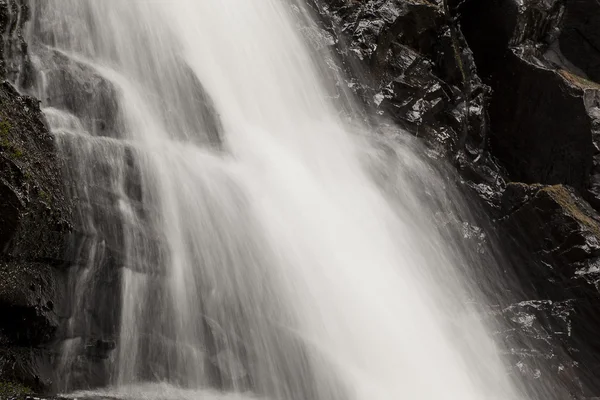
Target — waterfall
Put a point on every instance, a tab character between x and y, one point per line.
242	232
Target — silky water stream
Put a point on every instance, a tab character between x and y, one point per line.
243	234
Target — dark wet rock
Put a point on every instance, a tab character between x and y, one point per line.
26	367
33	238
409	62
537	335
14	60
580	36
561	231
542	121
36	213
28	314
544	128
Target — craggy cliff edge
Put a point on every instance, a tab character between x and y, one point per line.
508	91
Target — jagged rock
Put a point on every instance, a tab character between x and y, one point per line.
542	130
536	334
544	127
34	221
561	232
542	119
31	181
570	229
409	62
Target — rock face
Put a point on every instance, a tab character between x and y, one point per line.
562	234
409	62
34	237
412	66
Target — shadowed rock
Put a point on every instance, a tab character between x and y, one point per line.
562	233
34	238
580	36
542	122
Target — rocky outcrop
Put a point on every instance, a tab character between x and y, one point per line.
409	62
34	237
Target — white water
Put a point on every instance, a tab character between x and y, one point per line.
274	263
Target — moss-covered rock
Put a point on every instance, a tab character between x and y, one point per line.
13	390
34	236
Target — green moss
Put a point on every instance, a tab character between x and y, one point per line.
17	153
44	196
12	390
5	141
5	127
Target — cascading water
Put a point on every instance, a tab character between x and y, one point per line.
260	243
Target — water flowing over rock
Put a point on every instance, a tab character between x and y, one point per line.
171	186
